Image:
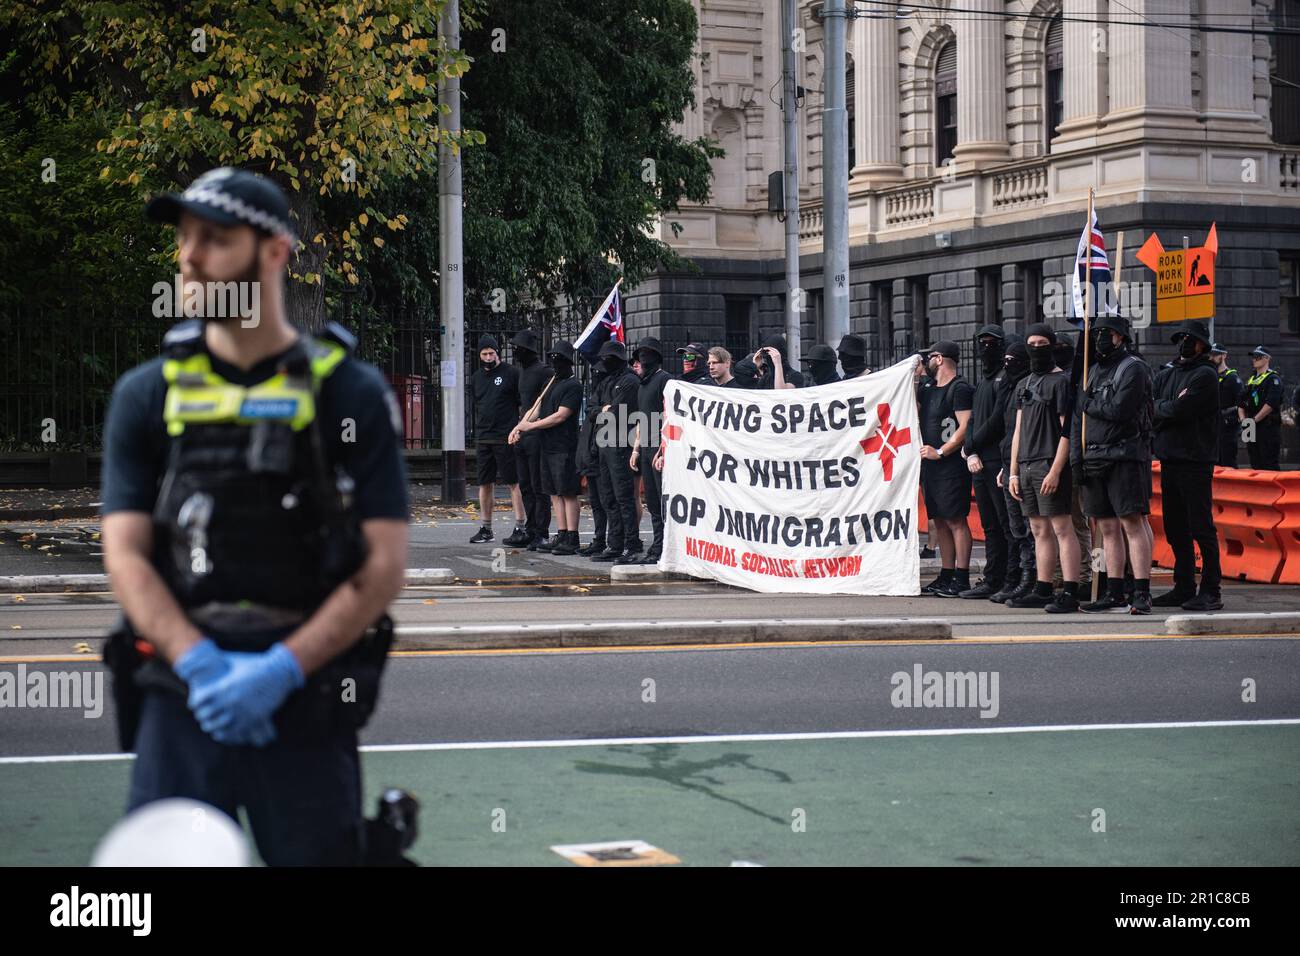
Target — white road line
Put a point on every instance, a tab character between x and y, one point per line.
733	738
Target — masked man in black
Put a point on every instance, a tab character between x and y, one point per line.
650	403
615	437
534	375
821	360
984	458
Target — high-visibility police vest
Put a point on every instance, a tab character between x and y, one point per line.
249	509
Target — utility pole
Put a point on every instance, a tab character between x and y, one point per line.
451	277
794	296
835	175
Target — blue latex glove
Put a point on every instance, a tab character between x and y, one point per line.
204	664
237	707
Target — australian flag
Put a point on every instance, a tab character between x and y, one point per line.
1091	246
606	324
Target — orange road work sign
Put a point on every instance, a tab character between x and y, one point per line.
1184	278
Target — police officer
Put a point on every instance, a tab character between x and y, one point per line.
1186	440
695	369
945	413
822	360
984	457
650	403
852	353
1261	401
1110	455
254	532
495	387
1230	391
534	376
619	401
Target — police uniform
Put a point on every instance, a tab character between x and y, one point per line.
1230	391
257	482
1264	388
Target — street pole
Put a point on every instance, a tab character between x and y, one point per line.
835	177
451	277
790	181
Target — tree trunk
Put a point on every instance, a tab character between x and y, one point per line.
305	302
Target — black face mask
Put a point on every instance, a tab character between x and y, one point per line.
649	365
1040	359
489	366
991	356
1105	345
563	367
1187	347
853	365
823	372
525	357
1016	366
612	364
1063	355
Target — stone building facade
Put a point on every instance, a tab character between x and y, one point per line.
976	130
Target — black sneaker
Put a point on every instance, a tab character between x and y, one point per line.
1006	592
942	580
609	554
1175	598
518	538
1203	602
483	534
1032	599
950	589
1140	603
536	540
1063	603
551	543
980	592
1023	590
1107	602
927	552
595	547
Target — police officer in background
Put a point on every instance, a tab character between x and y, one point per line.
1185	439
984	457
650	403
255	514
495	387
1230	391
534	375
1261	401
695	369
821	360
619	401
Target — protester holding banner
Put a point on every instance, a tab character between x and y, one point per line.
1111	458
1022	569
650	403
1262	402
1186	440
695	371
615	442
1230	391
984	459
720	368
534	374
1039	475
945	417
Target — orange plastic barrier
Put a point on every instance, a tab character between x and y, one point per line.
1288	528
1246	515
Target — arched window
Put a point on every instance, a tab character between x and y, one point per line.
945	103
1055	78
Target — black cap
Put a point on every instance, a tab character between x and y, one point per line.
1195	329
613	348
650	344
820	353
776	341
1260	352
693	347
852	345
1043	329
487	342
1115	323
561	349
993	330
527	339
1217	349
228	197
945	348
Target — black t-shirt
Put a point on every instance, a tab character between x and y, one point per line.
562	438
496	403
531	382
650	403
357	413
1042	400
939	405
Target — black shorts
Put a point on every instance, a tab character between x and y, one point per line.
496	463
947	488
1035	504
1124	488
560	475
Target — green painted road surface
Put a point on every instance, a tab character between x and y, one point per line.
1180	796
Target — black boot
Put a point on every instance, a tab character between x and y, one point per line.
981	591
1008	588
568	543
597	545
610	553
1177	597
551	543
945	575
535	539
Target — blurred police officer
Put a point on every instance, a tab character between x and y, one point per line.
650	403
556	422
1230	391
495	387
695	368
1111	458
984	457
945	413
1261	401
1185	439
534	376
254	530
615	440
821	361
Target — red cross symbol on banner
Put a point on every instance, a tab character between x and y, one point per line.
886	440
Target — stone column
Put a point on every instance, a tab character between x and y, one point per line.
875	60
1150	68
1227	66
1084	46
981	85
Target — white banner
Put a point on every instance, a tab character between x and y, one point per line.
809	490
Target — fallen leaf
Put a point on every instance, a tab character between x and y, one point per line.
575	587
430	601
15	627
19	599
28	537
83	648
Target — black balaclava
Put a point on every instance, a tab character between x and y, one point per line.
563	367
651	362
1187	348
1105	346
1040	356
1063	355
992	355
853	365
525	357
1016	361
612	364
823	370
